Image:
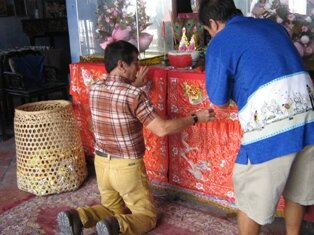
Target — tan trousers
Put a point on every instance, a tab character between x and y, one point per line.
125	194
258	187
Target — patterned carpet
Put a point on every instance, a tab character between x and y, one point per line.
38	215
27	214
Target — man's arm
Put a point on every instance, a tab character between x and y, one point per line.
162	127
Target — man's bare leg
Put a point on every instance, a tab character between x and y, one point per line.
294	214
246	225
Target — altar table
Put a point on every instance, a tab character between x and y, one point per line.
200	158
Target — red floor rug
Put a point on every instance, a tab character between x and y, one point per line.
38	215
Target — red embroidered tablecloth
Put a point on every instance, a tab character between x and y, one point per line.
200	158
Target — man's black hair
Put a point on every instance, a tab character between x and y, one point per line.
218	10
119	50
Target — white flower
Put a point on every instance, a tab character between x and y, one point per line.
305	39
308	19
279	20
267	6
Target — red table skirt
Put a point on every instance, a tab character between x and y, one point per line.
200	158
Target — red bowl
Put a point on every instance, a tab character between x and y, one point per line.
182	59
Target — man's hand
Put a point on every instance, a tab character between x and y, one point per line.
141	77
205	115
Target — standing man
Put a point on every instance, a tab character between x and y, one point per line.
254	62
120	110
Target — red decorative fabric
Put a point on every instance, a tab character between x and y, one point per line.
202	156
156	155
82	76
199	158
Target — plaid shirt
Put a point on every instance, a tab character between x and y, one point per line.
119	111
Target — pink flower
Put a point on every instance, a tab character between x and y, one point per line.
121	34
300	48
105	43
304	28
309	50
145	41
115	20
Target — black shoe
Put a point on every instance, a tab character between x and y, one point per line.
108	226
70	223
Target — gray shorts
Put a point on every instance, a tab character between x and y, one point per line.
258	187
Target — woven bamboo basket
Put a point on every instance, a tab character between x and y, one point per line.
49	152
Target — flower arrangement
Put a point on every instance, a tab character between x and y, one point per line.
300	27
116	22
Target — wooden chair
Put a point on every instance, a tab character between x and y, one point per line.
25	76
